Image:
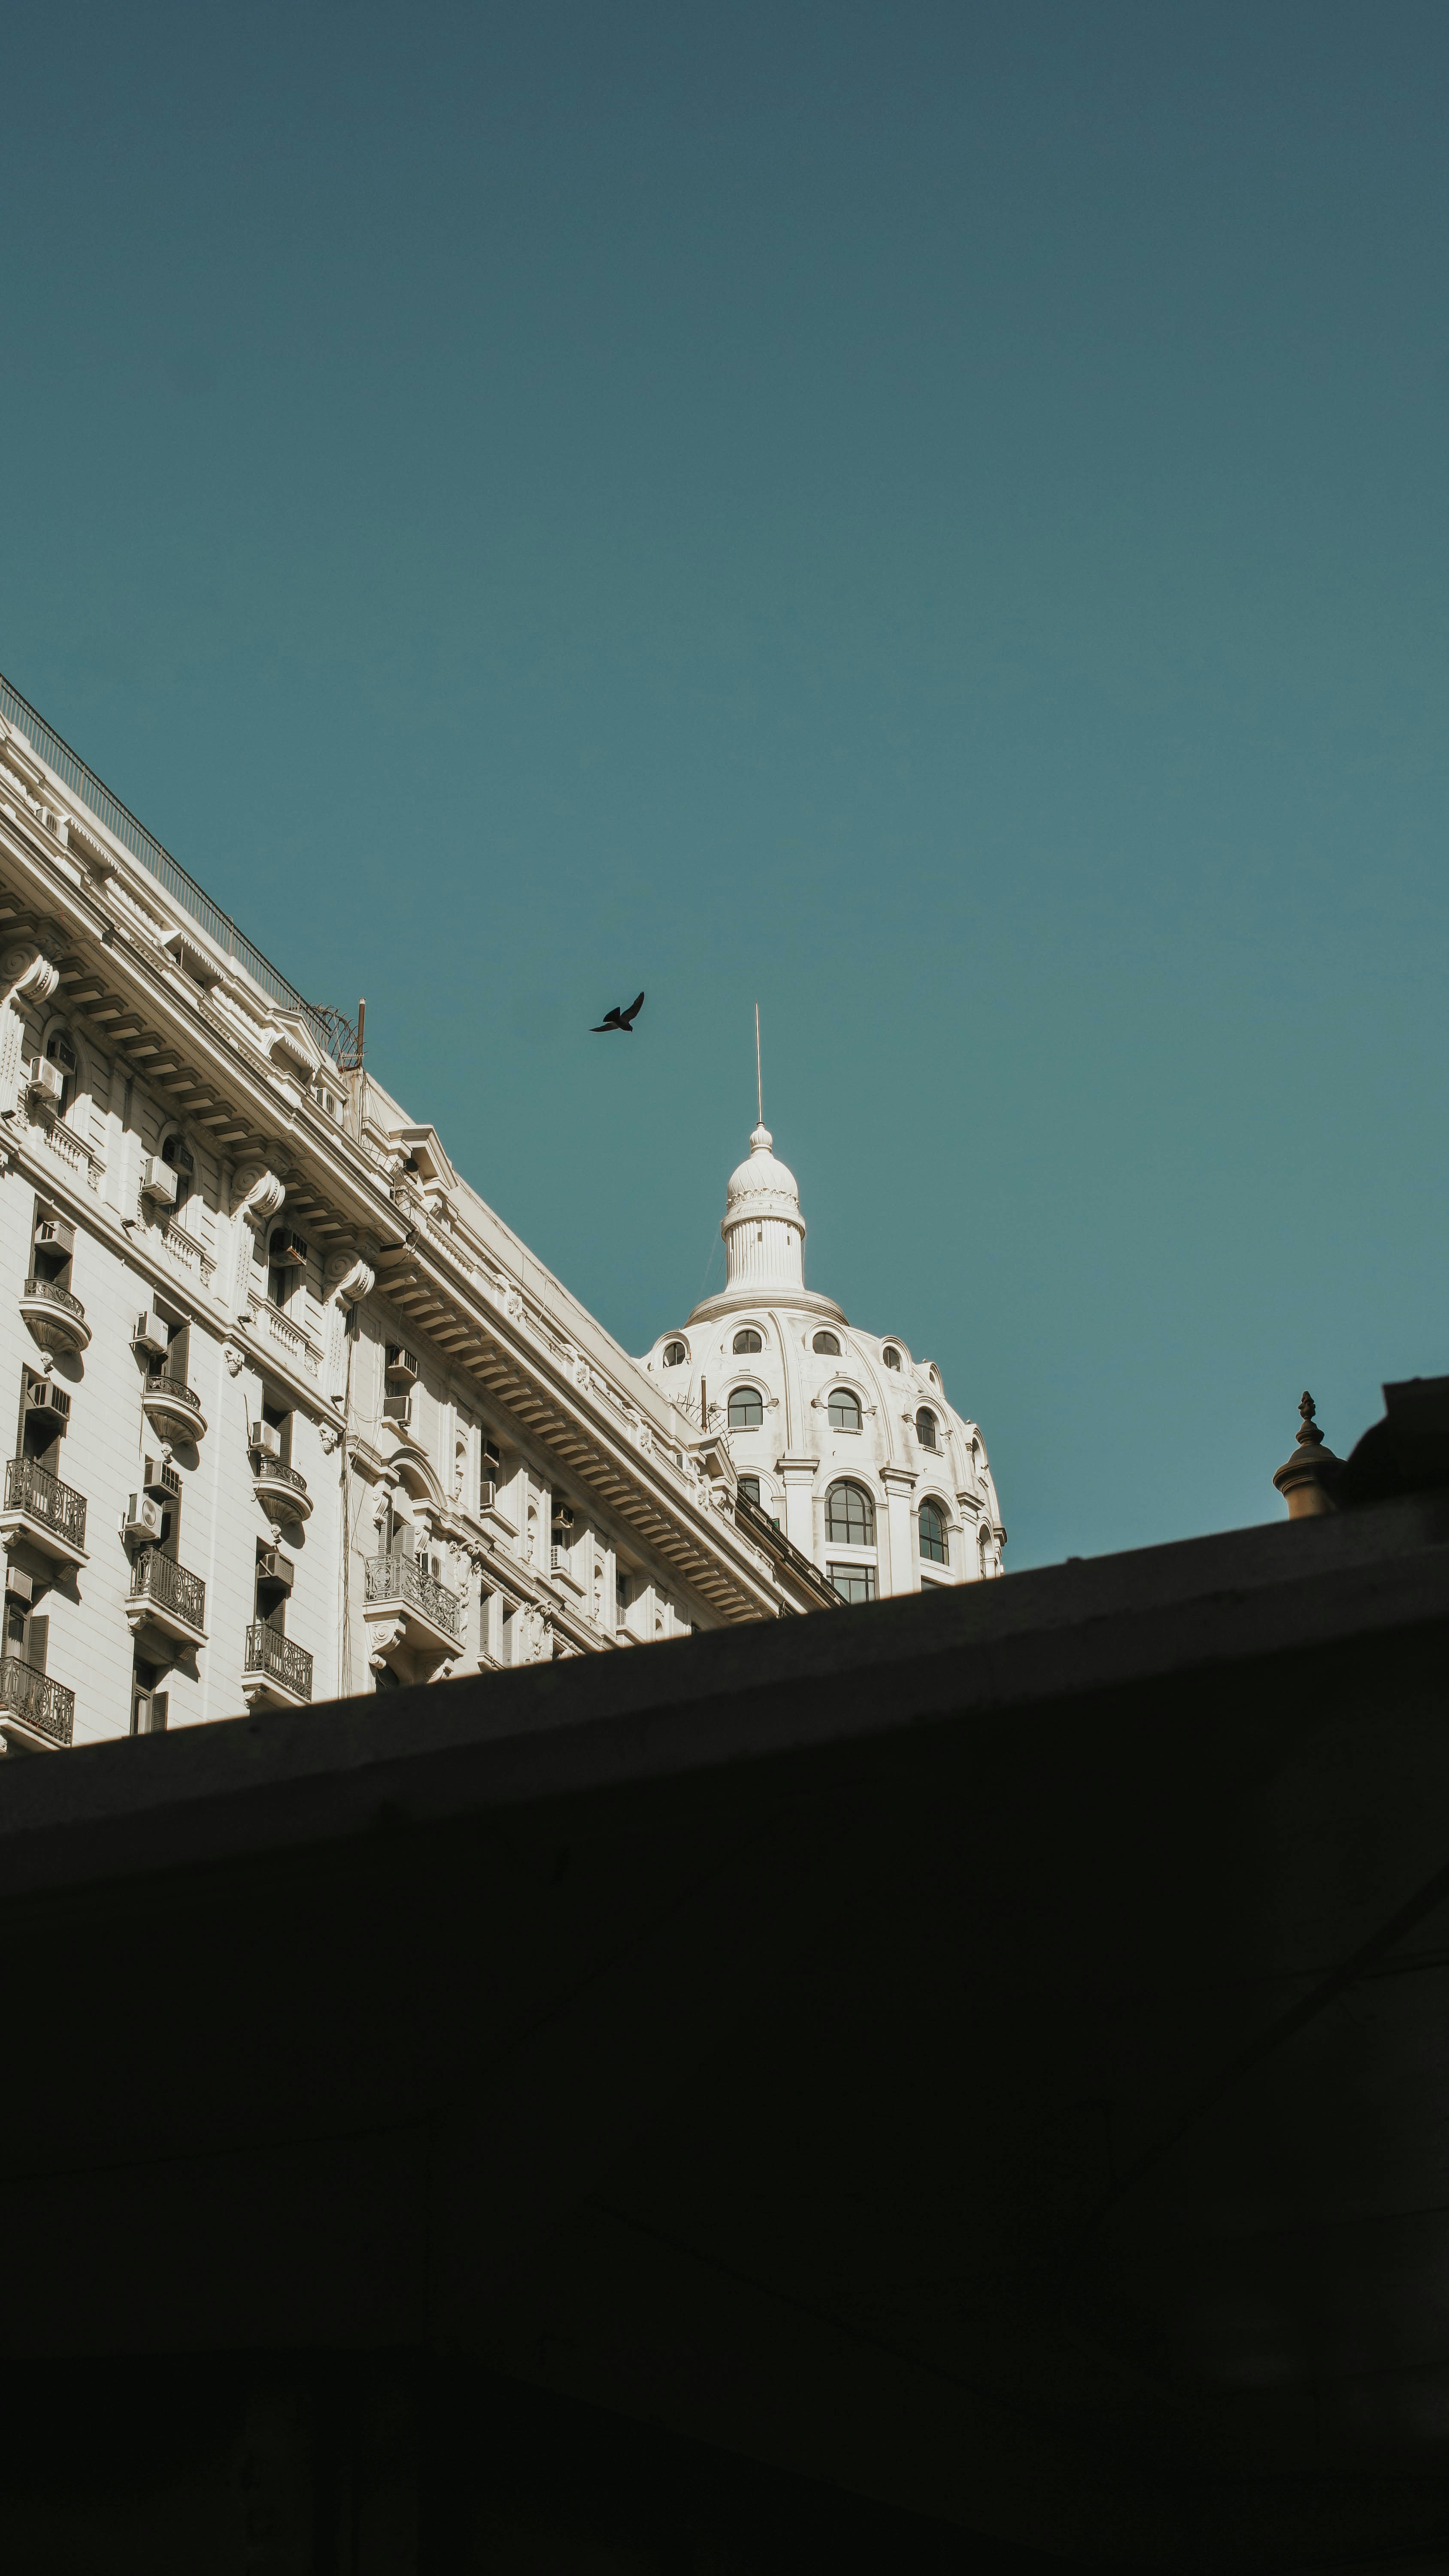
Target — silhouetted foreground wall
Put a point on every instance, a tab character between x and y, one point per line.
975	2066
335	2465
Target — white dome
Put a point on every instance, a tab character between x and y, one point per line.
763	1186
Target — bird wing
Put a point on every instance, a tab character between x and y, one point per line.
604	1028
632	1012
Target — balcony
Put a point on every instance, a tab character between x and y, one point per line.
163	1595
56	1319
275	1673
173	1409
40	1508
281	1490
34	1712
406	1605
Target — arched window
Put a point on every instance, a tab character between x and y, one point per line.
747	1412
932	1525
850	1516
891	1356
747	1340
844	1410
926	1427
750	1488
177	1153
828	1345
675	1354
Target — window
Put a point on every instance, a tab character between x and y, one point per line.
490	1475
675	1354
891	1356
274	1584
828	1346
44	1414
61	1054
178	1352
854	1582
926	1427
850	1516
148	1704
285	1255
932	1525
844	1410
54	1246
750	1488
748	1340
177	1153
747	1411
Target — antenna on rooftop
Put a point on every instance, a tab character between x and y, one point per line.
759	1084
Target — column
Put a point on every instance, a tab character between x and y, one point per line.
897	1559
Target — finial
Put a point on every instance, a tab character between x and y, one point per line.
759	1080
1308	1480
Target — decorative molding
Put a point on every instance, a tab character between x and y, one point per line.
236	1360
257	1193
28	974
348	1277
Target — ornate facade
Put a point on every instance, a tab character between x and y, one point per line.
297	1414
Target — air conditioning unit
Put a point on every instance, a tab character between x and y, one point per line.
46	1080
401	1364
286	1249
398	1409
42	1395
487	1494
158	1181
160	1478
274	1567
143	1517
55	1234
18	1586
151	1333
267	1438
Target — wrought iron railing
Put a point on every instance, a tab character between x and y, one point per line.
402	1578
333	1033
160	1579
274	1471
278	1659
35	1699
174	1390
55	1296
31	1488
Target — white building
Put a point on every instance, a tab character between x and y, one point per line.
296	1414
837	1436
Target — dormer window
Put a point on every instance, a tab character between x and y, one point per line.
891	1356
746	1340
844	1409
826	1346
675	1354
926	1428
746	1410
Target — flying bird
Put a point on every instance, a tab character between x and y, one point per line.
617	1019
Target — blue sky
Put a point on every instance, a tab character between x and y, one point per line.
932	517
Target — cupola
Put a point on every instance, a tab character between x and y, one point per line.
764	1237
